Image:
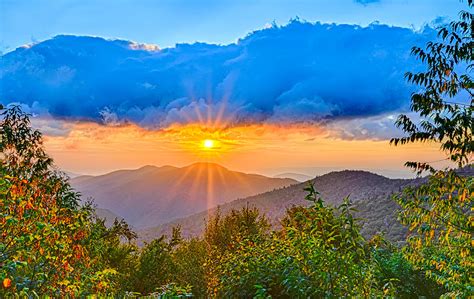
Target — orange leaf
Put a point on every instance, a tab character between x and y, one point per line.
7	282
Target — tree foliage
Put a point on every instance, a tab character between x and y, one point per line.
23	156
318	253
439	217
190	266
223	235
439	213
445	100
41	244
49	243
43	230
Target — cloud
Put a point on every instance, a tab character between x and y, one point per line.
380	127
109	118
144	47
300	72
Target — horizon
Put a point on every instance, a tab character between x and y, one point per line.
308	171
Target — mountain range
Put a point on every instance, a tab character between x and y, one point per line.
156	199
150	196
370	194
295	176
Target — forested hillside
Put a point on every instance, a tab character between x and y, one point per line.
370	193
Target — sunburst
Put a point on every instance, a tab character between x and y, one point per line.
208	144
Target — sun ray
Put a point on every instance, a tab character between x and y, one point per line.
178	182
210	187
197	179
244	183
209	113
197	110
218	121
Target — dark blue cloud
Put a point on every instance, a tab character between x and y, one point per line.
298	72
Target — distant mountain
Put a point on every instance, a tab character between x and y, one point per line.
370	193
72	174
295	176
150	196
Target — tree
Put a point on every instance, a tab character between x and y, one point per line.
446	118
23	156
223	234
45	233
41	246
439	217
156	267
439	213
318	253
112	248
189	258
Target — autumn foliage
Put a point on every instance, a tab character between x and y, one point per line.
45	232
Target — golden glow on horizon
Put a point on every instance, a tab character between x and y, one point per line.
94	148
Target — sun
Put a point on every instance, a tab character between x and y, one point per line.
208	143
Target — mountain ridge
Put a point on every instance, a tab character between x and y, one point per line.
152	195
369	192
293	175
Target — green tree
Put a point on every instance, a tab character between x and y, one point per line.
223	234
43	228
439	213
439	217
113	248
23	156
318	253
445	117
50	244
156	267
397	275
189	258
222	231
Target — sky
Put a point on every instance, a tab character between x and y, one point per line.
110	89
167	22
